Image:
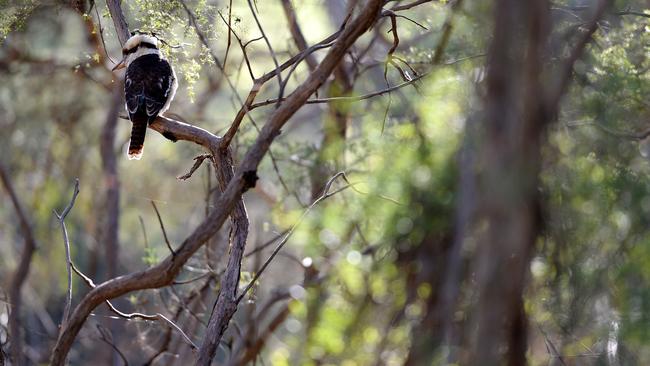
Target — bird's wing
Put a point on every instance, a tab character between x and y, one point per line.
148	83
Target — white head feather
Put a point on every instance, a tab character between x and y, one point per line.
134	42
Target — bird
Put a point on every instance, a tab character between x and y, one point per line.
149	86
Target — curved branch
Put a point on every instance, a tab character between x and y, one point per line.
162	274
244	178
246	174
22	271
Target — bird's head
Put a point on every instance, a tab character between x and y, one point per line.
138	45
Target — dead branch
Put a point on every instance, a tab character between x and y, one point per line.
228	42
350	98
183	306
296	32
198	160
326	194
106	336
278	71
267	244
246	175
162	227
243	178
631	12
410	5
136	315
66	242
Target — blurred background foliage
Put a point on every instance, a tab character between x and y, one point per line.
359	269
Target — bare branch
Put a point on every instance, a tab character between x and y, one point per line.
144	232
198	160
326	194
349	99
135	315
296	32
410	5
278	71
246	175
66	242
241	44
635	136
267	244
121	27
162	227
228	42
631	12
245	108
244	178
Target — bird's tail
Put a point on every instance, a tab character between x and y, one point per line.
138	132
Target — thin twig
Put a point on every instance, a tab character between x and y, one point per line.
241	44
630	12
135	315
326	194
66	242
198	160
278	71
267	244
172	324
410	5
243	178
108	339
635	136
228	42
101	31
350	99
162	226
144	232
296	32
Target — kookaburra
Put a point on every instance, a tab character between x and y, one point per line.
149	86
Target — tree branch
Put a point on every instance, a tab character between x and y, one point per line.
21	272
244	178
121	27
351	98
66	243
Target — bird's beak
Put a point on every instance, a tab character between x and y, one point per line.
120	65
